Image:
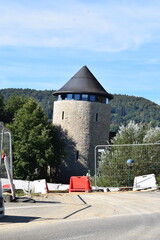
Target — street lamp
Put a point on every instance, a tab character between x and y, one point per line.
130	163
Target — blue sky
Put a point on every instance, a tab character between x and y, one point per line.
43	43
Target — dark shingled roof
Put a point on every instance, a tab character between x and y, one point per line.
84	82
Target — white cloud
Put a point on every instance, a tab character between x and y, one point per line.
100	26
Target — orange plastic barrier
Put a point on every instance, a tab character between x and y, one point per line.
79	184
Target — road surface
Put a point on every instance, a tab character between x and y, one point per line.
84	216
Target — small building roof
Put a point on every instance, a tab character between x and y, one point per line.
84	82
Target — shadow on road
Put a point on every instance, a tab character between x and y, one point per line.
23	219
79	210
30	200
17	219
46	202
24	199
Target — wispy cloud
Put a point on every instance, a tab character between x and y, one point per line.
96	26
43	44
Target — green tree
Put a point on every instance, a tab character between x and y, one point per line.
124	108
152	135
37	149
131	134
113	169
44	98
12	105
1	108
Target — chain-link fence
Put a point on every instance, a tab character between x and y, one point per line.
111	167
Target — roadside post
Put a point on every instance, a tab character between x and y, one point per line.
130	163
99	149
1	145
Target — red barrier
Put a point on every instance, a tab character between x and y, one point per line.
79	184
7	186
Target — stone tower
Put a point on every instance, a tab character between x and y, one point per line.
83	113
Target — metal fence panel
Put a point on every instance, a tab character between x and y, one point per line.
111	166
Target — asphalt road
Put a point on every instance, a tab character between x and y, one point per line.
134	227
85	216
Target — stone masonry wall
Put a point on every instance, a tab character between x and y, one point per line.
87	123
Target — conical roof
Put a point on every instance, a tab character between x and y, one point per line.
84	82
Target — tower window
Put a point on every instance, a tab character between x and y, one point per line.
62	115
59	97
101	99
64	96
96	117
77	96
85	97
77	155
92	98
69	96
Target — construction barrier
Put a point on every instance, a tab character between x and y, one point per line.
7	186
79	184
145	182
40	186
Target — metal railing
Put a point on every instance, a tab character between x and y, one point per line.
6	148
1	142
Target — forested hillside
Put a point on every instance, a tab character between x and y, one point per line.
123	108
45	98
126	108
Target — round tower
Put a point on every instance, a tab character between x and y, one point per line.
83	114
